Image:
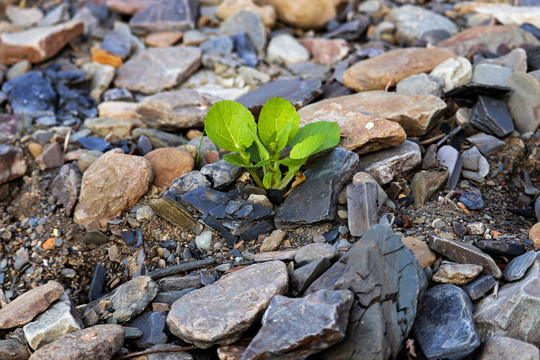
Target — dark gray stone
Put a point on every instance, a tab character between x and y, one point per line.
387	281
316	198
492	116
165	15
66	186
464	253
487	144
159	138
444	326
286	335
249	22
501	248
180	268
518	266
515	311
31	95
537	208
301	278
95	237
473	201
469	92
220	45
169	297
177	283
152	324
479	286
190	181
362	207
221	173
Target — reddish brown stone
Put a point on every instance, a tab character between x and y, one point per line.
12	163
168	164
393	66
326	51
129	7
38	44
23	309
164	38
103	57
52	156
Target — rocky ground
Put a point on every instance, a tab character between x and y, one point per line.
123	234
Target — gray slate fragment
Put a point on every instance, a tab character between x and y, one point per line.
491	116
518	266
387	281
300	279
464	253
165	15
316	198
152	325
66	186
221	173
479	286
444	326
159	138
487	144
515	312
190	181
177	283
286	335
362	207
249	22
315	251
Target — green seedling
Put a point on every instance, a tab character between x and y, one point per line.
232	127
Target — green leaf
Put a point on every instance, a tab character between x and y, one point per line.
275	115
283	137
230	125
330	129
308	146
238	160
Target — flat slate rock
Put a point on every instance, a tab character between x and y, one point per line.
425	184
165	15
518	266
465	253
416	114
297	92
487	144
514	312
444	326
362	207
469	92
285	334
33	101
220	313
96	342
479	286
158	69
152	326
300	279
316	198
501	248
492	116
26	307
387	281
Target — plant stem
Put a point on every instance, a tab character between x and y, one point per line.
287	179
252	172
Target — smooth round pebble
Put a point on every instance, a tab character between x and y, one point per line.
145	213
534	235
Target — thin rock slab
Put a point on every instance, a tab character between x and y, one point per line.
444	326
300	279
221	173
385	164
152	325
479	286
286	335
464	253
316	198
514	312
360	133
158	69
456	274
425	184
66	186
387	282
503	348
492	116
99	342
112	184
26	307
416	114
220	313
518	266
165	15
362	207
393	66
12	163
174	110
488	145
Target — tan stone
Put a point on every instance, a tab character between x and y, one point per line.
534	235
359	132
128	7
326	51
120	110
415	113
35	149
457	274
306	14
38	44
273	241
512	15
230	7
105	58
115	182
488	38
23	309
168	164
393	66
421	250
103	126
163	38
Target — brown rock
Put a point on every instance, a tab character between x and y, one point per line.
99	342
305	14
393	66
158	69
168	164
359	132
23	309
103	126
230	7
415	113
12	349
52	156
164	38
490	38
242	296
38	44
112	184
128	7
103	57
173	110
120	110
503	348
35	149
12	163
273	241
421	250
326	51
534	235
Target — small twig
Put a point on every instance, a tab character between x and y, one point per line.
451	133
432	140
66	141
145	352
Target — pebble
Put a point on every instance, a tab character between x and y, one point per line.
273	241
145	213
456	274
420	248
479	286
168	164
518	266
204	240
286	49
472	201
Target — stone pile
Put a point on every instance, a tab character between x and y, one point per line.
396	245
